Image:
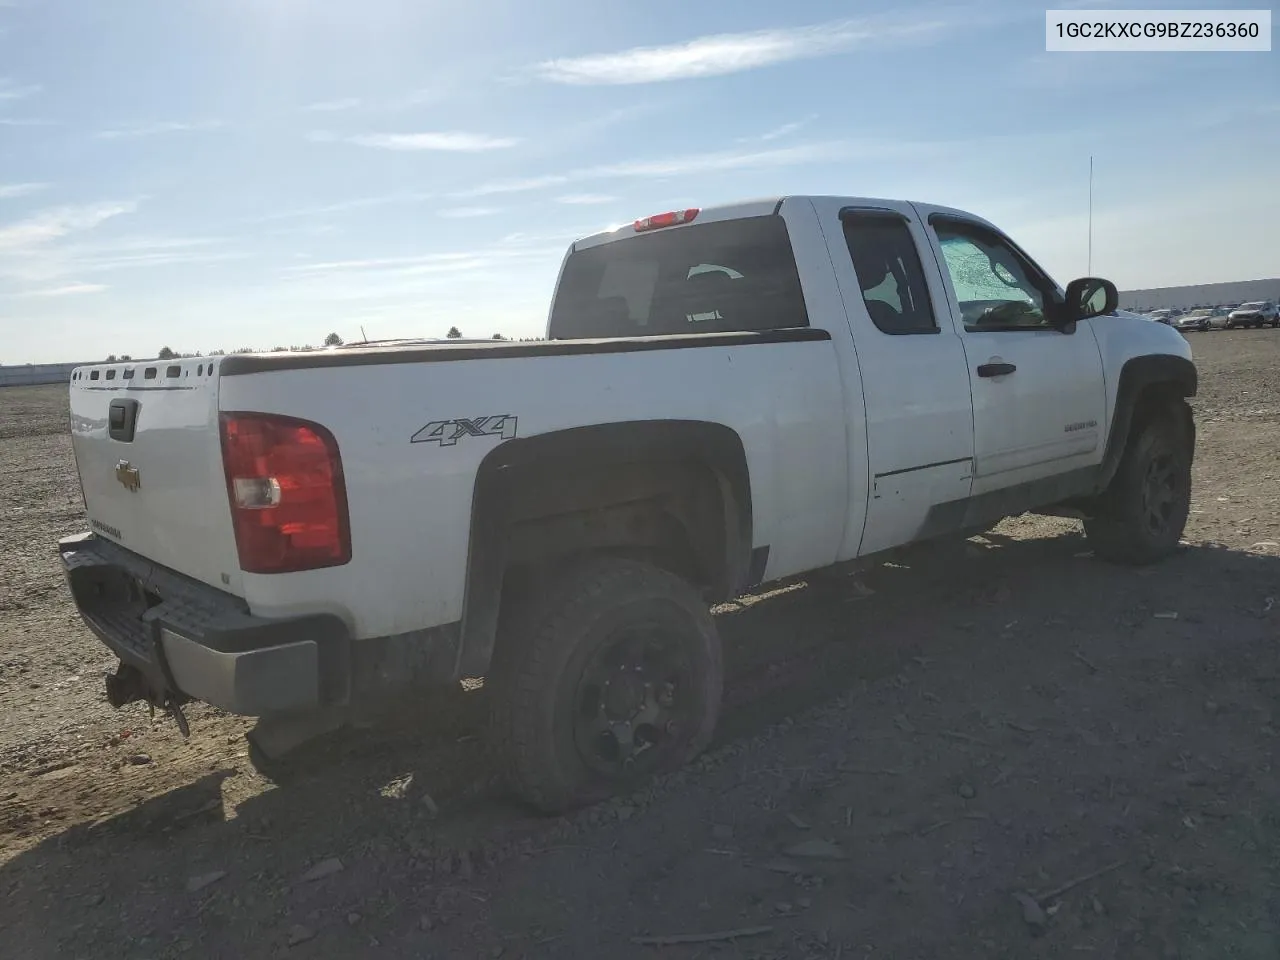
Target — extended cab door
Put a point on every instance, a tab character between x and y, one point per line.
919	420
1039	397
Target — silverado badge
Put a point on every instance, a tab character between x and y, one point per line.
128	476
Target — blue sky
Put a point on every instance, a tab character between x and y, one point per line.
213	174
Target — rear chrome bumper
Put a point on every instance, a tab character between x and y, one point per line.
191	641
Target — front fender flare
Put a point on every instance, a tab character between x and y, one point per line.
1176	375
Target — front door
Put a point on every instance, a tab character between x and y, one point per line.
1039	398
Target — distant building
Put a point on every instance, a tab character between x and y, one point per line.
1201	295
29	374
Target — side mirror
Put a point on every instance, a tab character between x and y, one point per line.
1090	297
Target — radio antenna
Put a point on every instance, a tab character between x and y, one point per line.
1089	269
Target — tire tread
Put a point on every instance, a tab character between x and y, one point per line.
1115	532
529	655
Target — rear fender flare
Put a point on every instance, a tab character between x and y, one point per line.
717	446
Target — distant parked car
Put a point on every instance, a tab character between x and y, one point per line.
1258	313
1202	320
1161	316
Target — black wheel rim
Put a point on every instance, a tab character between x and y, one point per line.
633	700
1161	492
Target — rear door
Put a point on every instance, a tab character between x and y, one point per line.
145	437
1039	396
919	420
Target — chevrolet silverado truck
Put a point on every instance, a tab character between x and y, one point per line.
725	397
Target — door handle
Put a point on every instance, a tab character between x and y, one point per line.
995	369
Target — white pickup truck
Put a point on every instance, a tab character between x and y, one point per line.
725	397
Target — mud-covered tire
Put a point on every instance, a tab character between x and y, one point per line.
1140	518
547	665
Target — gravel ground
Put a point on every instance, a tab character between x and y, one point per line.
1014	752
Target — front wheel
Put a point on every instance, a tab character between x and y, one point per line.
1141	516
616	679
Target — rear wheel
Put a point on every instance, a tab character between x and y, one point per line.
1141	516
616	678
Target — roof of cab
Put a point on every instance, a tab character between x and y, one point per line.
729	211
752	208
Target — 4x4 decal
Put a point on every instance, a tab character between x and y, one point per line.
448	432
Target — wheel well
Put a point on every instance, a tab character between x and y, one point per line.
669	512
1155	400
673	493
1148	386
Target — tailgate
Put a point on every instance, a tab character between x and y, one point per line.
146	443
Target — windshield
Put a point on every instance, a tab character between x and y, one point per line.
734	275
1256	305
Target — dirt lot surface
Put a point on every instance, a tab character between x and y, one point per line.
1014	752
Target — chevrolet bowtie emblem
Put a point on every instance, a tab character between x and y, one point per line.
128	476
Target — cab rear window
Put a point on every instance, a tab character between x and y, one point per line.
730	276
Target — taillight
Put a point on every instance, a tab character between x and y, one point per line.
660	220
287	494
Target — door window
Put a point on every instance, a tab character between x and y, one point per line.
889	273
995	286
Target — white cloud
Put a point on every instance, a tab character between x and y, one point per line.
446	141
517	185
726	53
777	133
419	98
703	163
155	129
342	206
380	263
107	262
585	199
377	277
52	224
9	191
466	213
67	290
11	90
391	104
49	260
333	106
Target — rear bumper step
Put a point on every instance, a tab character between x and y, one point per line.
189	641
